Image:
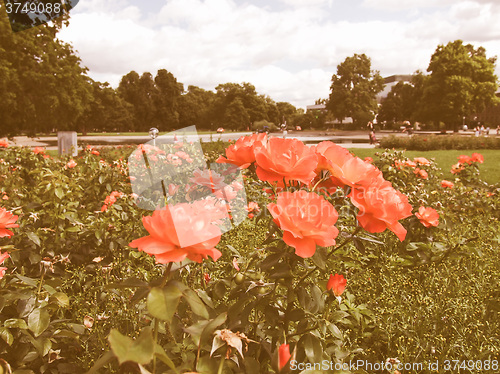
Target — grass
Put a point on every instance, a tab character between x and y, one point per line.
490	170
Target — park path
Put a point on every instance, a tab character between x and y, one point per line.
347	139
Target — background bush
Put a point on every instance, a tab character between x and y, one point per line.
435	142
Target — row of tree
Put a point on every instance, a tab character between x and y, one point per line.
43	87
461	82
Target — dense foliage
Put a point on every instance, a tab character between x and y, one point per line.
461	83
74	294
435	142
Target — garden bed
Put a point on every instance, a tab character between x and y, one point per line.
322	257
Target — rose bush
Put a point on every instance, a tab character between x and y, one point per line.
124	289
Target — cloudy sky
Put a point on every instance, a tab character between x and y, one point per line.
288	49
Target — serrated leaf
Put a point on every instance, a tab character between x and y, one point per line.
38	321
140	351
162	302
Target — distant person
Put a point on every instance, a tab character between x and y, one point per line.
481	130
487	130
370	126
373	138
498	130
476	131
465	128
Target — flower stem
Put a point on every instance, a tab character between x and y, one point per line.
221	365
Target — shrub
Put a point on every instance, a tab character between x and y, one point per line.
435	142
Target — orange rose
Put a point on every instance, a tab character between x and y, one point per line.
445	183
345	168
331	157
208	178
421	161
336	284
242	153
288	159
428	216
4	143
464	159
306	219
3	257
71	164
38	150
180	231
457	168
477	157
381	207
421	173
7	220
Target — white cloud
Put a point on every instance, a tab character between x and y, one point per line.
289	55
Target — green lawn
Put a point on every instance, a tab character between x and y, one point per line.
490	170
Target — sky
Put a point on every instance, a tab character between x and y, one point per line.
288	49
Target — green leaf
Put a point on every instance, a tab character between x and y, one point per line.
195	303
162	303
61	298
105	359
313	348
33	237
15	323
335	331
162	355
338	316
59	193
6	335
73	229
38	321
139	351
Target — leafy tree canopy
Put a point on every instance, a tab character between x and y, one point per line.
462	81
354	89
42	84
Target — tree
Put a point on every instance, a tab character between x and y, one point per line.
165	98
354	89
256	106
107	112
195	107
236	116
286	111
42	84
139	91
462	82
399	105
